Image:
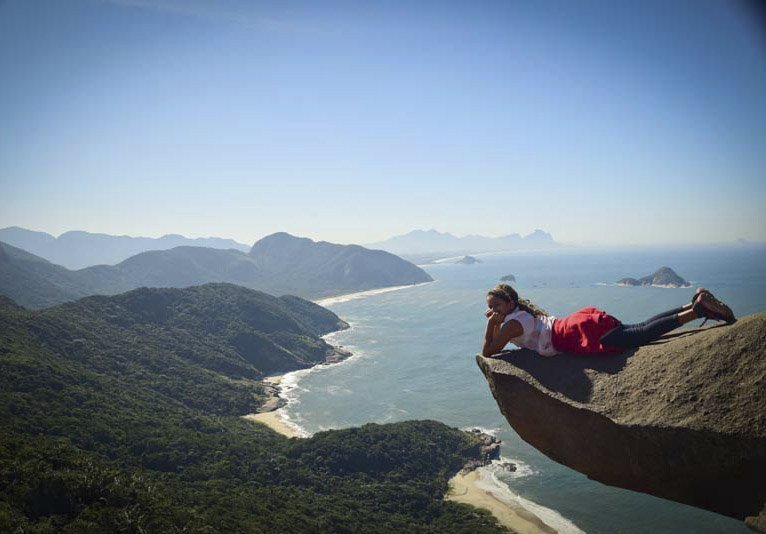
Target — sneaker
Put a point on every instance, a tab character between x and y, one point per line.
697	293
707	306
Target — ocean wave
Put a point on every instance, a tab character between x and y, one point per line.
662	286
290	388
489	482
523	469
329	301
490	431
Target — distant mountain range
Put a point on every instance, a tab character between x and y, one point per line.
432	243
77	249
278	264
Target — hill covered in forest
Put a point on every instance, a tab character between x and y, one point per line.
278	264
122	413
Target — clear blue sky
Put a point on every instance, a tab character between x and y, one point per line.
611	122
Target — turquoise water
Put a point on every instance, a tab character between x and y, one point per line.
414	359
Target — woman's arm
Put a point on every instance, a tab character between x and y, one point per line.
496	338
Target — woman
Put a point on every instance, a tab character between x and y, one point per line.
587	331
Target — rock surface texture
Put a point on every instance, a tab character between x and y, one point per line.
683	419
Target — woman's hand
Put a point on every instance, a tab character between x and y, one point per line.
494	317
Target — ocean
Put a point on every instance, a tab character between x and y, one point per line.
413	358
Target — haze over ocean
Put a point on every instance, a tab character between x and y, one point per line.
414	359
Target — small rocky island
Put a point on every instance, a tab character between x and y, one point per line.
468	260
662	277
508	278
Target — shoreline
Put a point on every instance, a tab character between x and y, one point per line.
271	411
465	488
271	416
275	422
345	297
468	487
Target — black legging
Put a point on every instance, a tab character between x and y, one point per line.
635	335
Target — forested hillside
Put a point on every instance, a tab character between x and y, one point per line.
123	414
280	264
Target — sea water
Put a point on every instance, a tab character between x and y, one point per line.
414	358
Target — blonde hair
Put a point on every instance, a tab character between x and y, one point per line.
507	294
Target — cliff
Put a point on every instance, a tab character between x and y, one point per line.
683	419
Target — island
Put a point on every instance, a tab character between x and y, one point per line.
508	278
662	277
468	260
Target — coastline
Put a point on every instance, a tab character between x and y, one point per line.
275	422
477	488
271	413
469	487
328	301
271	416
466	488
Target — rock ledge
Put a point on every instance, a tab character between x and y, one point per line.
683	418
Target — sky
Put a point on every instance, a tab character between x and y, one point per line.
601	122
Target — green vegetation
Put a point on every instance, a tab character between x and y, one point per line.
278	264
121	414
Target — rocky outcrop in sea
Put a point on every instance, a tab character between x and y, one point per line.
662	277
488	450
683	419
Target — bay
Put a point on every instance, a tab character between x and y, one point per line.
414	358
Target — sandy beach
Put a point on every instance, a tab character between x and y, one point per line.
327	301
463	488
272	419
274	379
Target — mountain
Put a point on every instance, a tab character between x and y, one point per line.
277	264
326	268
683	419
77	249
122	414
431	242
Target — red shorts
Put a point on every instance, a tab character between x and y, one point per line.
581	331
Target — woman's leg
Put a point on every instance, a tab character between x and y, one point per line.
674	311
636	335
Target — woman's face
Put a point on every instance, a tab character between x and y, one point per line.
498	305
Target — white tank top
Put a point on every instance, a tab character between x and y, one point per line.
537	332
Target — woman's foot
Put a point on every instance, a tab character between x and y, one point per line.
707	306
700	290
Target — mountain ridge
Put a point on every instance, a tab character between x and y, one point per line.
77	249
284	264
435	243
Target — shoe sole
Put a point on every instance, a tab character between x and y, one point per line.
718	309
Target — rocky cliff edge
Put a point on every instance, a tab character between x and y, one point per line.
683	419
